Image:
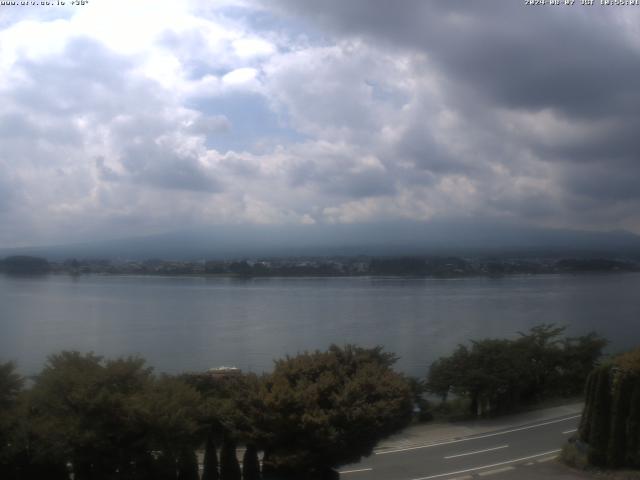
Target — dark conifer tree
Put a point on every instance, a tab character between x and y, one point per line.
633	427
144	467
210	471
330	474
268	471
165	467
188	465
601	418
229	466
620	415
250	463
44	468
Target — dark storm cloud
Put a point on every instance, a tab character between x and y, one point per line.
605	181
579	63
159	167
341	176
571	59
354	185
419	147
7	187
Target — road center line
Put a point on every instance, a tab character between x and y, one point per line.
567	432
355	471
477	451
468	439
496	470
522	459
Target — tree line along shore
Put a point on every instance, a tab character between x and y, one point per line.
416	266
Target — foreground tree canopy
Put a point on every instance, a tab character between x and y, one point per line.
106	419
96	418
331	408
498	375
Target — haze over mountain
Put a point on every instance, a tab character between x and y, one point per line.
398	238
318	124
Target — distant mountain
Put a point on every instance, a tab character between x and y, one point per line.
398	238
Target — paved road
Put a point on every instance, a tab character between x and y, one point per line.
480	455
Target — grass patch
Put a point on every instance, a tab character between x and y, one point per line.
575	456
572	456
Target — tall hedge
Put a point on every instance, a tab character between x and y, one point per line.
600	418
610	422
632	458
589	394
620	407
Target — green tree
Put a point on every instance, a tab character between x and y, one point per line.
11	384
169	411
105	417
81	412
234	409
541	347
498	375
443	373
580	355
11	416
325	409
491	374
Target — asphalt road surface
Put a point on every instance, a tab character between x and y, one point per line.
469	457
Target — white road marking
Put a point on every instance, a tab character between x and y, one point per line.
477	451
449	442
495	471
547	459
355	471
483	467
567	432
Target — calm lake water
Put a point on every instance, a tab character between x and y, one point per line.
187	323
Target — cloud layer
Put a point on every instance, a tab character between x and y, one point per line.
121	119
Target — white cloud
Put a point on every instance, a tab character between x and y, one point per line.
240	77
252	47
109	118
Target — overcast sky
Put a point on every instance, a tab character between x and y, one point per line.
123	118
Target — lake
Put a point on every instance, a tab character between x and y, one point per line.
188	323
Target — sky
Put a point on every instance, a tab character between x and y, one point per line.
127	118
